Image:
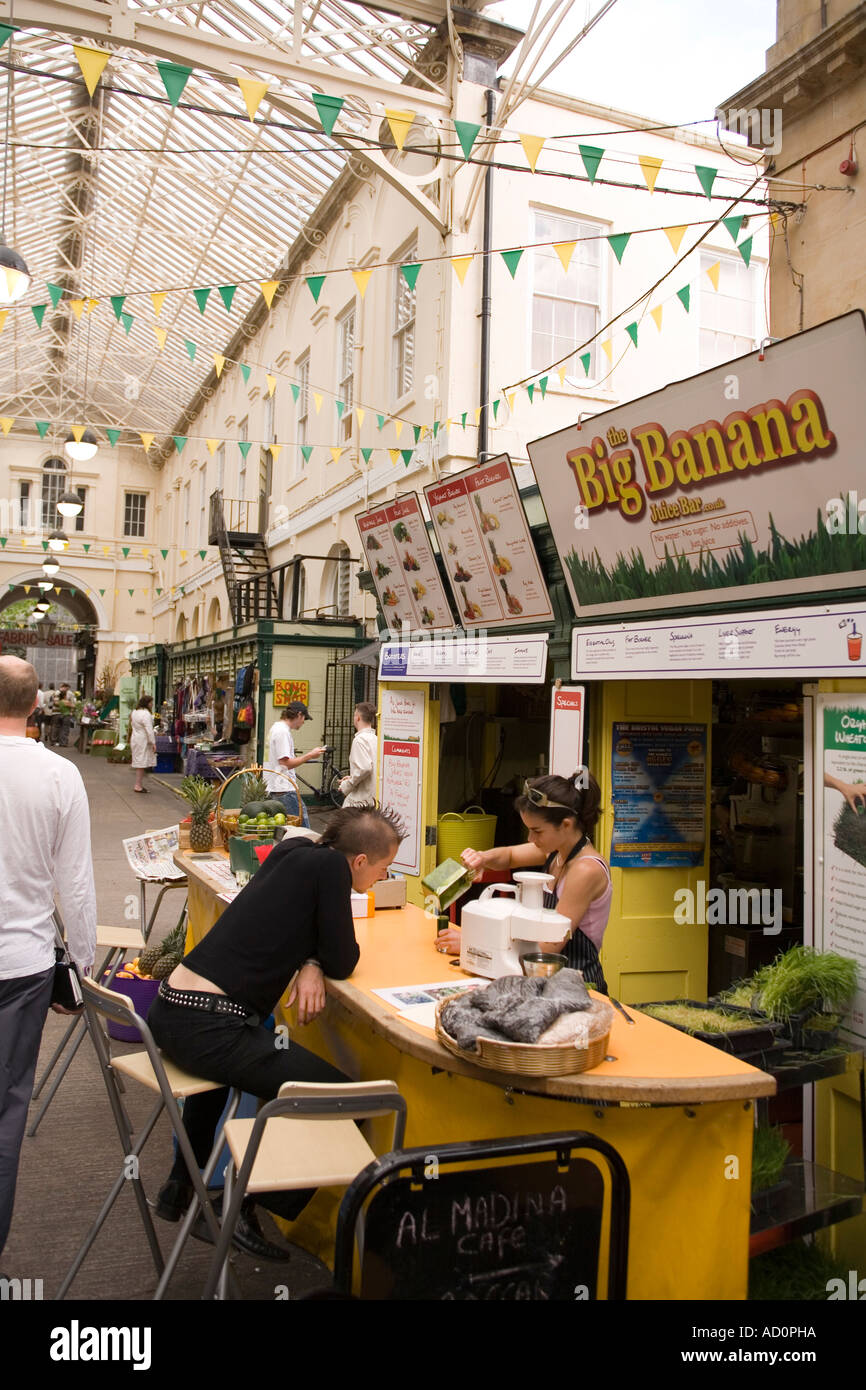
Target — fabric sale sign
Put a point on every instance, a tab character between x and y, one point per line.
738	482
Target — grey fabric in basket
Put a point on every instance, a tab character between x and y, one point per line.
514	1008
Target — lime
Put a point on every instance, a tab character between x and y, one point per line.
280	819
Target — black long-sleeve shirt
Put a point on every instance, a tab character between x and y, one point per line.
296	907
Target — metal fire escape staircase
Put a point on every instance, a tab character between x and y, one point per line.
245	560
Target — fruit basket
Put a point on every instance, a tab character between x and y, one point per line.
536	1059
261	816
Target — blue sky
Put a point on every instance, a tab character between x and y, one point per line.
672	59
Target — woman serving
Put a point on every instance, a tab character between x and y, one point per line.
560	815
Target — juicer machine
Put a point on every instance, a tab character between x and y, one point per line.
498	930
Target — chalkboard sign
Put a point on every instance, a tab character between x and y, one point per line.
522	1231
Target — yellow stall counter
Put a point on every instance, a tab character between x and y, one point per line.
679	1112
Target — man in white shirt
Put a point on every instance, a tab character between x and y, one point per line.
282	758
44	849
359	788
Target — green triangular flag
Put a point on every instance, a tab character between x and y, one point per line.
117	303
416	430
437	425
341	406
227	294
55	292
463	418
43	427
496	405
102	592
3	540
586	359
314	284
126	549
164	554
328	108
631	330
466	134
87	547
306	450
380	420
706	178
113	436
366	453
618	242
39	312
183	591
159	591
130	592
685	297
190	347
592	157
201	298
543	385
733	225
530	391
174	78
512	260
745	249
179	441
406	456
295	390
201	554
44	545
127	320
5	31
245	372
410	274
245	445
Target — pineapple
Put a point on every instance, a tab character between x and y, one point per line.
150	962
252	789
164	966
202	798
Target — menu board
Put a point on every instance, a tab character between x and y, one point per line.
400	559
840	846
658	780
400	770
486	547
567	709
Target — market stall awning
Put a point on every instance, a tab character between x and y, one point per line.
363	656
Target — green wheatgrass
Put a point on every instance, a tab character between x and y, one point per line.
849	834
697	1020
769	1153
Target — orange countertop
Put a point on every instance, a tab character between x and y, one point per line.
652	1063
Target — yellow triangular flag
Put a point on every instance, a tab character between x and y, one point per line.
157	299
77	432
57	588
26	588
562	372
272	383
116	592
511	399
362	280
161	335
4	313
565	251
477	413
608	349
183	555
146	439
77	307
24	541
253	92
269	289
395	454
713	272
360	414
91	305
461	264
423	432
674	236
650	167
212	446
656	314
317	401
219	362
400	123
335	454
92	63
532	147
275	451
145	554
774	219
398	428
106	550
6	423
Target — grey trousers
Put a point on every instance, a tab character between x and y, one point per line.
23	1005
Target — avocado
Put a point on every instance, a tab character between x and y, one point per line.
255	808
273	807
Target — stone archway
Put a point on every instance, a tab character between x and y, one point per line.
214	617
59	651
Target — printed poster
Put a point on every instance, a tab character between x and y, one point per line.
486	547
286	691
840	845
400	558
400	768
659	782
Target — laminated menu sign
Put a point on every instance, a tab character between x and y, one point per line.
840	845
400	771
486	547
401	561
658	779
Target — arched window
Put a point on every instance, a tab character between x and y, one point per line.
180	635
53	485
214	617
342	582
302	589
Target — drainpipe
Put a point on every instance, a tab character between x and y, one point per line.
484	385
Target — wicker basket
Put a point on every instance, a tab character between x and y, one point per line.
527	1059
227	820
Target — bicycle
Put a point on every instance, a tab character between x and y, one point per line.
329	789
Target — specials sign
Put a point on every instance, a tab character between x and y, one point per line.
723	487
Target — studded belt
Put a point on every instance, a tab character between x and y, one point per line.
199	999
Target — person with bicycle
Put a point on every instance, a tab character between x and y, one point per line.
359	787
282	759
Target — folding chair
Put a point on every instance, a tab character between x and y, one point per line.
171	1084
457	1221
279	1152
118	941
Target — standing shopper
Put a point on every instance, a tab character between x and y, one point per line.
282	758
359	788
142	740
45	849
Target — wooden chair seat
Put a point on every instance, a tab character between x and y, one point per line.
296	1153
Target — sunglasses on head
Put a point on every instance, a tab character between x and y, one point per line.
538	798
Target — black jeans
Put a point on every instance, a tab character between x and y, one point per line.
24	1003
238	1052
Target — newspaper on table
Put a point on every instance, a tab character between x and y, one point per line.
151	856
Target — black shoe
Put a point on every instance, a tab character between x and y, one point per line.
248	1234
173	1199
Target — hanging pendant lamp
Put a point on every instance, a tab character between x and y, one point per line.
80	450
58	540
50	566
